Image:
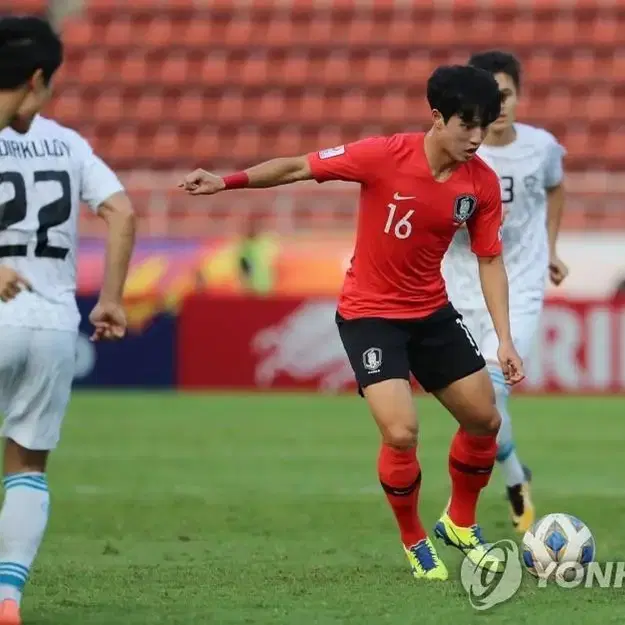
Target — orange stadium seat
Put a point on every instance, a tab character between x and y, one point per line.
214	70
150	107
175	71
108	107
23	7
190	109
288	76
94	69
79	35
134	69
117	33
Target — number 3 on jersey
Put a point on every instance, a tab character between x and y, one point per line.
403	227
52	214
507	189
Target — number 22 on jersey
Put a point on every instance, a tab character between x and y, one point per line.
402	227
50	215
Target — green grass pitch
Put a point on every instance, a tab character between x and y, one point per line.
265	509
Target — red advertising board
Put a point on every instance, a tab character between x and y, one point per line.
280	343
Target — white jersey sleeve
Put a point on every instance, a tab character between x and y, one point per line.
98	181
526	168
554	167
44	175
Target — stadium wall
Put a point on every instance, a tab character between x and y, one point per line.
230	342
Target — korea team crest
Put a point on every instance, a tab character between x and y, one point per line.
464	207
372	359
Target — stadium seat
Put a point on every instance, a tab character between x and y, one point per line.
214	70
150	107
175	71
307	66
109	107
158	33
134	70
190	109
23	7
117	34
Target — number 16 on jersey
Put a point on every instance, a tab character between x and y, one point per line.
402	227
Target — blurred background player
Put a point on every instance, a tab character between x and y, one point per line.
47	171
528	161
255	253
394	317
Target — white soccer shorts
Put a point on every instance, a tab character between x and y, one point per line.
523	324
36	373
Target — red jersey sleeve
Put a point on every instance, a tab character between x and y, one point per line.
360	161
486	223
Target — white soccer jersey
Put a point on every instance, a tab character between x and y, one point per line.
527	167
44	176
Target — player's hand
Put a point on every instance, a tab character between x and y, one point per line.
201	182
558	270
511	364
12	283
109	321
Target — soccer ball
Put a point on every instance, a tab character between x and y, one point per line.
554	540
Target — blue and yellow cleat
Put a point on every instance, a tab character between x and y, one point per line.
469	540
424	561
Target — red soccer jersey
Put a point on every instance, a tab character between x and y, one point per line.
406	221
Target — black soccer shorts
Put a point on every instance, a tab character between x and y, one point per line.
437	349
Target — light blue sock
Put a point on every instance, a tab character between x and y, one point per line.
23	521
506	451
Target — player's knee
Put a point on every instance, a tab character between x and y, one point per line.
391	405
487	421
493	422
400	435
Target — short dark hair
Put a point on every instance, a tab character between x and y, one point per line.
499	62
26	45
469	92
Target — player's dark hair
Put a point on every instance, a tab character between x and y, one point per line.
466	91
26	45
499	62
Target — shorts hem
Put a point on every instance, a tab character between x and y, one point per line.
451	380
361	387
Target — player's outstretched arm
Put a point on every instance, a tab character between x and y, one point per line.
273	173
108	315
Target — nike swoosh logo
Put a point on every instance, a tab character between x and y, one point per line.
399	198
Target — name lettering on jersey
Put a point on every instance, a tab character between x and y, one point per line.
464	207
41	148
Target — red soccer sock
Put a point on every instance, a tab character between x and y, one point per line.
471	460
400	477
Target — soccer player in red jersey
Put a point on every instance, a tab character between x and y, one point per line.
394	316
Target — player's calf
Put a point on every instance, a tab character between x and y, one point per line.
518	493
473	449
399	472
23	520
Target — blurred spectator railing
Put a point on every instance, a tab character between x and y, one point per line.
595	201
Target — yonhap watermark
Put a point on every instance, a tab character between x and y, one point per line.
574	574
488	588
